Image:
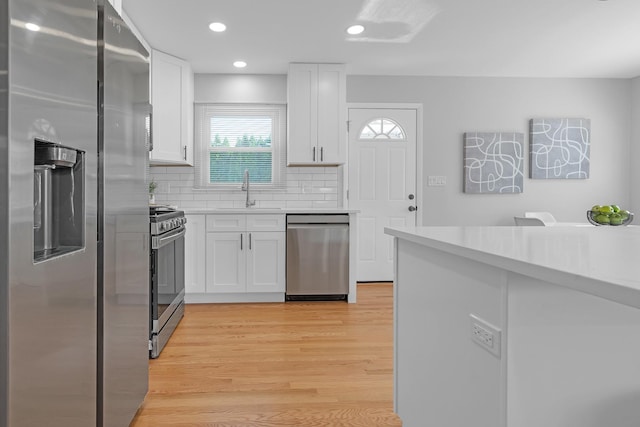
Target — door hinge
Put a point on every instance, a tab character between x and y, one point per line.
347	194
348	125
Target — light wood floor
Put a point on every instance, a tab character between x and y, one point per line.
294	364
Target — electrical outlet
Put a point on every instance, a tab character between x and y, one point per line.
485	334
481	334
437	181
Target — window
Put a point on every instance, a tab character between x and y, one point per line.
382	128
235	138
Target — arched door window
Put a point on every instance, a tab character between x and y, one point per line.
382	128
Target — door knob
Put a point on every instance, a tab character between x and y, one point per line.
412	208
411	196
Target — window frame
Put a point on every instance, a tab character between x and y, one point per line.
204	113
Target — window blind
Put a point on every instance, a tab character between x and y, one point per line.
235	138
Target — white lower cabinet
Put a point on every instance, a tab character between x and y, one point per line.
266	262
235	258
195	255
227	262
246	262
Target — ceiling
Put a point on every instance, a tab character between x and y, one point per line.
506	38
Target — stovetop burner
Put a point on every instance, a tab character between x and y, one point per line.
158	209
160	213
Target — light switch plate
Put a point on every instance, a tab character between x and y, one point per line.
437	181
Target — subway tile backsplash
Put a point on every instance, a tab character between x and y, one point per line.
305	187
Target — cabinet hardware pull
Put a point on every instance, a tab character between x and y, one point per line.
249	241
150	130
314	154
241	241
322	154
185	153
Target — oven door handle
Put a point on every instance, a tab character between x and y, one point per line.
157	243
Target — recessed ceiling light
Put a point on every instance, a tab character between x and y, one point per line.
32	27
355	29
239	64
217	27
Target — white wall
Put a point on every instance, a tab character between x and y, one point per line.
454	105
240	88
306	187
635	147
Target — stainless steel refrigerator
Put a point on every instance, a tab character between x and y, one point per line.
74	264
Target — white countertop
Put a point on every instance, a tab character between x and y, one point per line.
602	261
203	211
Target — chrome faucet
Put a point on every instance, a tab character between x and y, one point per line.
245	187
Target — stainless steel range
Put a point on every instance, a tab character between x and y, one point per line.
167	275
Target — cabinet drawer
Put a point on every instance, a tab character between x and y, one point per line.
226	222
265	222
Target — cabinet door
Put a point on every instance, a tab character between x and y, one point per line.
171	97
332	114
302	114
195	254
187	146
266	262
226	262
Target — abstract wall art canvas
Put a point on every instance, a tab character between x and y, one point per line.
493	162
559	148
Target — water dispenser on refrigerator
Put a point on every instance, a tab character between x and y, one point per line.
58	200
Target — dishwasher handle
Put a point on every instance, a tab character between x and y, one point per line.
318	219
316	226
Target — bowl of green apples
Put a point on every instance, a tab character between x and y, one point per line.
609	215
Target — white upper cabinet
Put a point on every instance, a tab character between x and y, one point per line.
317	114
172	100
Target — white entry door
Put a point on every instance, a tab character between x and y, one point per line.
382	183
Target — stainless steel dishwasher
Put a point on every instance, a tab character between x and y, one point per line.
317	257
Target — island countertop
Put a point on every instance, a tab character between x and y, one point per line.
602	261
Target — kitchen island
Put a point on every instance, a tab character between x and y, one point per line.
517	326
